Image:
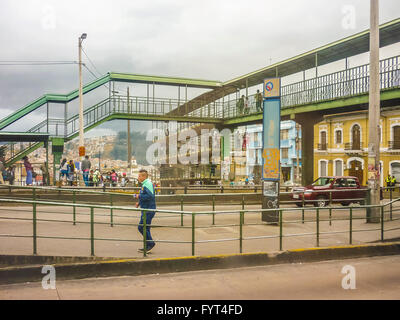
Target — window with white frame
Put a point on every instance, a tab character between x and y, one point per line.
338	167
323	168
338	136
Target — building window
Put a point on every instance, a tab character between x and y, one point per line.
338	136
285	153
338	168
285	134
396	137
395	169
323	168
356	137
323	142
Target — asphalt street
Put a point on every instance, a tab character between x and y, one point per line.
372	278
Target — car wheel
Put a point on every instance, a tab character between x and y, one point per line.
345	203
299	204
321	202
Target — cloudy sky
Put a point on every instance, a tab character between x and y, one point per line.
208	39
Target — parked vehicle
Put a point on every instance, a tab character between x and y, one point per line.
344	190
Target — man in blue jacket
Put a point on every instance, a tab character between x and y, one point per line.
147	200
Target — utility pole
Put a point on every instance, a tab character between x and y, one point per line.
129	134
81	141
373	215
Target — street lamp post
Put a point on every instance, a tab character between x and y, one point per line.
81	142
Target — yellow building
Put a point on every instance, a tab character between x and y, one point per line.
341	145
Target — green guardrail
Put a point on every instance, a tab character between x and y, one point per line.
240	215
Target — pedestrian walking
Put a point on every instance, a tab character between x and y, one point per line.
147	200
63	169
393	181
258	101
29	171
240	105
85	166
388	181
71	172
45	174
114	178
246	105
11	174
96	177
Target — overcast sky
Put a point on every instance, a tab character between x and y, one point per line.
208	39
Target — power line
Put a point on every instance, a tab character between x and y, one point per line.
95	77
91	62
36	63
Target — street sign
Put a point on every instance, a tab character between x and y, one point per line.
272	88
81	151
271	148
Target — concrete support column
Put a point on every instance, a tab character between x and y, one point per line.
307	123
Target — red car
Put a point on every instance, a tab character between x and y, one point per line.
344	190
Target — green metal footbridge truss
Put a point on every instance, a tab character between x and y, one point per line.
328	93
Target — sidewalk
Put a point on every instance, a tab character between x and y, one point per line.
167	232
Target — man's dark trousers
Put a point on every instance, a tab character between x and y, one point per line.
149	217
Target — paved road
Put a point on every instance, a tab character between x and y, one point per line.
375	278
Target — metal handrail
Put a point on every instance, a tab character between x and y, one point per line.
193	227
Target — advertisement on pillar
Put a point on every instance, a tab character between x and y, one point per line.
271	148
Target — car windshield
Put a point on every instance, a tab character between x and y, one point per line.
322	182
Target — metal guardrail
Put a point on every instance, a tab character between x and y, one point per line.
240	214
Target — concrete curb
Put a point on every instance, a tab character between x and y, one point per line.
20	260
134	267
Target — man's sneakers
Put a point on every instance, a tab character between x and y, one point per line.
148	248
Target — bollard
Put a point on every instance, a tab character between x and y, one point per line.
193	233
241	218
34	230
213	209
351	225
280	230
382	219
92	231
182	210
144	234
317	227
391	207
111	211
74	208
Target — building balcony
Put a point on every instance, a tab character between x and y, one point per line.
322	146
394	145
352	147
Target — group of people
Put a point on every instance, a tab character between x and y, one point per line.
243	107
91	178
390	181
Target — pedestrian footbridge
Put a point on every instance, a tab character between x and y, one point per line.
346	88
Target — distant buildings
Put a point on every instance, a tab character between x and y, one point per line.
289	152
341	145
